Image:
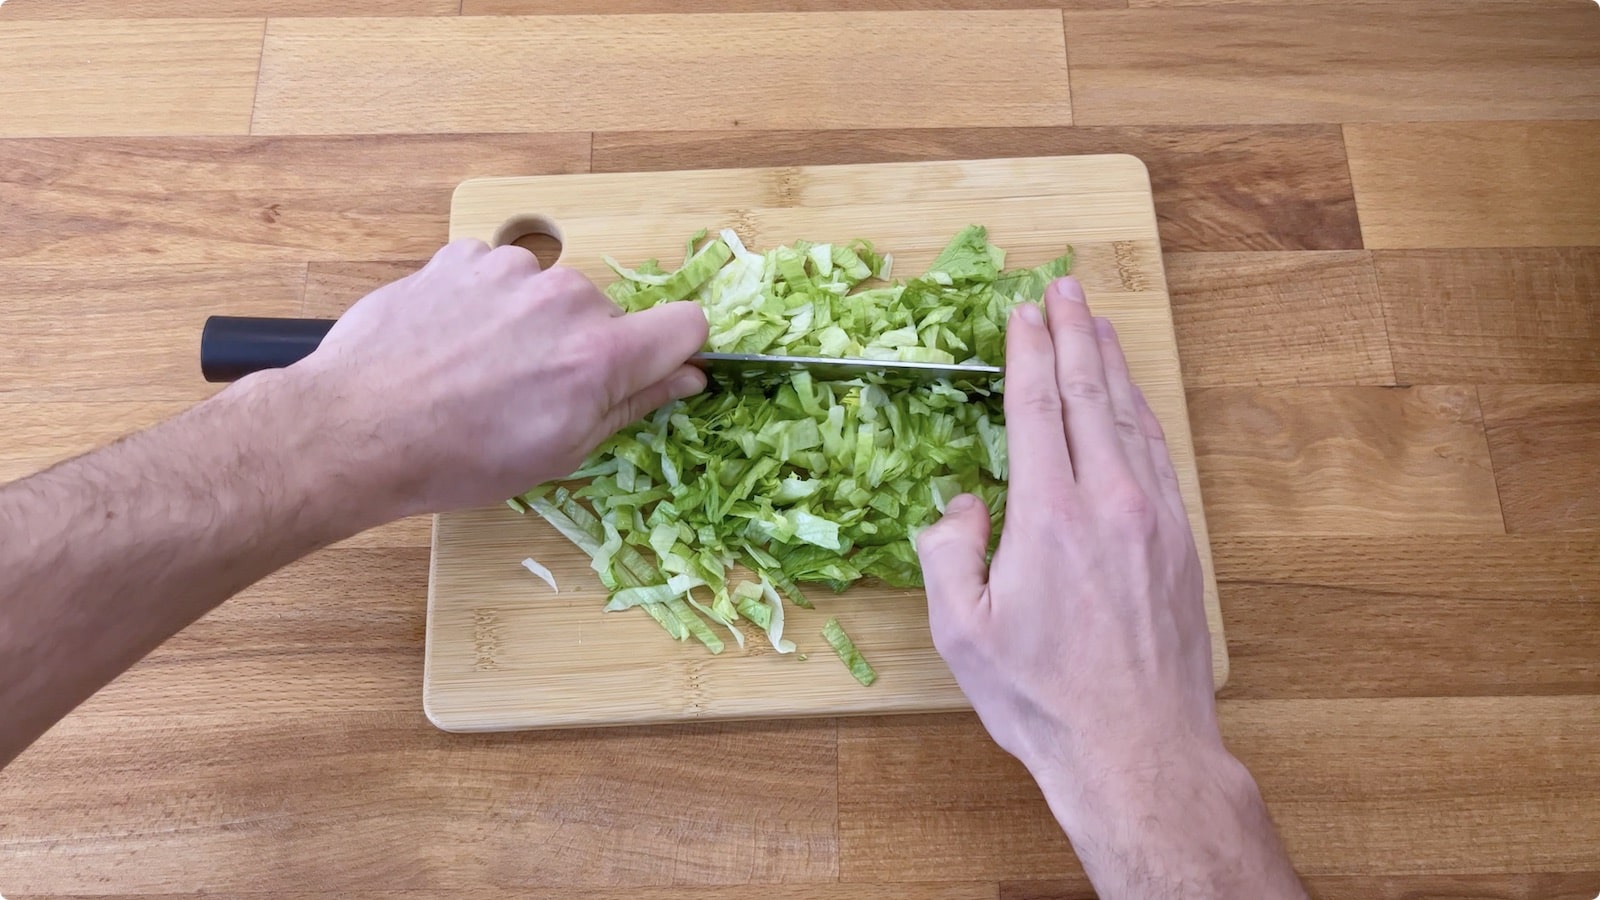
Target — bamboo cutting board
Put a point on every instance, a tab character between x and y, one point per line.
504	652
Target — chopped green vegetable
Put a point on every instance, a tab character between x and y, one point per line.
834	634
797	479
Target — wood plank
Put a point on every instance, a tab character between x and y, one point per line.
503	654
1329	617
913	891
1278	319
1537	886
1490	184
332	287
1351	460
1220	188
1318	63
134	330
251	199
39	435
754	71
128	77
223	9
1531	6
932	797
633	7
1545	442
233	805
1429	785
1503	315
336	634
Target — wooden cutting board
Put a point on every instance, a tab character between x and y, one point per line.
504	652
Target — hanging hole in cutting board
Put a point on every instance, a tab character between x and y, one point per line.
536	234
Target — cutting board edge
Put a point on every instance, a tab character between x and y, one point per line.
1221	659
476	183
1131	167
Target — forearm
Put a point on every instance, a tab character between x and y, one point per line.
107	555
1188	823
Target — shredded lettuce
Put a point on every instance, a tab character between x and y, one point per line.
542	572
833	633
797	480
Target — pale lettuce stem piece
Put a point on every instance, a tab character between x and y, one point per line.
834	634
542	572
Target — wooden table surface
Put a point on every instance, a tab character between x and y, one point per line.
1382	223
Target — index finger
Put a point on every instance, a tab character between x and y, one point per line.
1036	436
653	343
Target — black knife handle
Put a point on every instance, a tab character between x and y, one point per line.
232	347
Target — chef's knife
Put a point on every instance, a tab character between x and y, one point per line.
232	347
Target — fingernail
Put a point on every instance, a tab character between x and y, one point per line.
1030	314
960	504
1069	288
687	383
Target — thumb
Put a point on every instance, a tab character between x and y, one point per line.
685	382
954	553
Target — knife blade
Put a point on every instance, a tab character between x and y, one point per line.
232	347
741	366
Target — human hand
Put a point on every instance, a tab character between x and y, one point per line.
480	376
1083	647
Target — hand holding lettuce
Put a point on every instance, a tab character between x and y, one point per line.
797	480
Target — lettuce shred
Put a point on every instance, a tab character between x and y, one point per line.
798	480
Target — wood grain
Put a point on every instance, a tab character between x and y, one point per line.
1319	63
135	329
251	199
1278	319
1492	184
932	797
332	287
39	435
1401	786
235	805
1216	188
336	634
1496	315
627	7
1537	886
502	654
128	77
1492	615
1426	785
221	9
661	72
1541	437
816	891
1415	689
1344	460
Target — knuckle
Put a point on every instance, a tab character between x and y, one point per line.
1132	506
1079	324
1087	390
564	280
1037	403
511	258
1129	430
463	248
950	635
